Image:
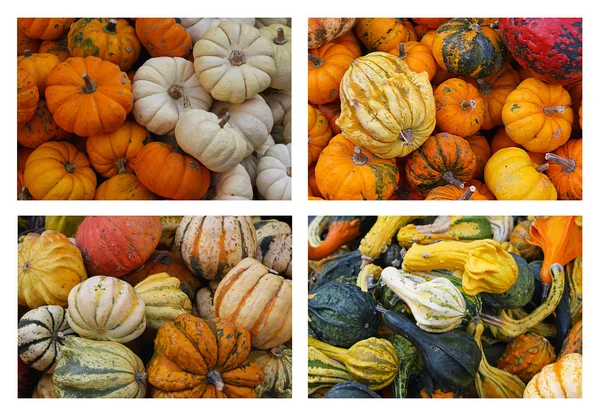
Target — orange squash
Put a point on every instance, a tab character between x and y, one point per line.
313	188
326	67
163	37
196	358
25	42
430	22
518	238
332	111
460	109
455	193
27	96
481	188
39	66
417	56
319	134
350	41
123	187
383	34
44	28
565	169
482	150
40	129
58	48
441	74
576	92
526	355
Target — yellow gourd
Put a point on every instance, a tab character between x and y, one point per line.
380	236
369	275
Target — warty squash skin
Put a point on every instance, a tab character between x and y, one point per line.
322	30
391	121
562	379
276	364
526	355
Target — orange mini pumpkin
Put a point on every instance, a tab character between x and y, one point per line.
430	22
40	129
455	193
27	96
565	169
460	109
332	111
46	28
58	48
39	65
24	42
122	187
319	134
326	67
163	37
350	41
89	96
417	56
383	34
198	358
482	150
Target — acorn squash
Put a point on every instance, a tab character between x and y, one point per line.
341	268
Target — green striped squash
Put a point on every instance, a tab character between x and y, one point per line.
323	371
42	334
277	366
163	298
275	252
98	369
266	228
105	308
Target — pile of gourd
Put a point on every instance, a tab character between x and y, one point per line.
154	108
129	307
444	109
449	306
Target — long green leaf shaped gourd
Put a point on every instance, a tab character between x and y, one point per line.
324	372
98	369
504	327
351	390
436	305
372	362
411	365
450	228
451	358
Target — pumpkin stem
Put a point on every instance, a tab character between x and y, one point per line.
449	177
280	39
475	26
89	86
237	58
224	119
111	27
484	86
549	111
567	164
317	62
277	351
542	167
494	25
359	157
24	195
140	376
27	265
121	164
27	53
176	92
466	104
215	379
163	258
288	171
545	290
402	51
468	194
70	167
407	136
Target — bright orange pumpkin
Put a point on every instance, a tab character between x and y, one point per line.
58	48
39	65
27	96
332	111
313	188
163	37
40	129
526	355
383	34
460	109
482	150
417	56
430	22
455	193
319	134
566	169
350	41
576	93
481	188
121	187
46	28
326	67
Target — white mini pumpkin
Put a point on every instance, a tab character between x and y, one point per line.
197	26
162	88
274	178
213	141
234	62
266	21
287	127
233	185
251	162
280	102
281	38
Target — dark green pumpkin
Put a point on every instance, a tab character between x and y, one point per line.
519	294
342	314
342	268
351	390
468	47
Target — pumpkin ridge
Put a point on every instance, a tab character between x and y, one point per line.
225	288
242	301
266	311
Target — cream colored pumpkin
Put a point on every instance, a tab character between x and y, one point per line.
562	379
213	245
162	88
251	162
287	128
213	141
266	21
267	228
105	308
233	185
163	298
259	301
234	62
253	119
281	38
280	103
275	252
197	26
204	304
274	178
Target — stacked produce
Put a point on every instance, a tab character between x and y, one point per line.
444	109
445	307
194	307
154	108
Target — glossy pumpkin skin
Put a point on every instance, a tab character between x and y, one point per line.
171	174
468	47
163	37
526	355
44	28
460	109
112	40
115	152
417	56
50	265
562	379
123	187
57	170
511	174
442	159
326	67
323	30
566	169
551	48
114	246
346	172
40	129
196	358
382	34
39	65
538	116
27	96
96	105
319	134
58	48
482	150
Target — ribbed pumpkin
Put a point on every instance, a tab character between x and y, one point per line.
444	158
573	343
481	147
98	369
123	186
250	296
385	112
455	193
276	364
117	245
566	168
460	109
322	30
42	334
40	129
345	171
58	48
468	47
25	42
197	358
275	252
105	308
164	300
319	134
39	65
50	265
526	355
27	96
562	379
538	116
44	28
212	245
350	41
326	67
382	34
163	37
417	56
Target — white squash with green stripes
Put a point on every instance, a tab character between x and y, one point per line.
266	228
275	252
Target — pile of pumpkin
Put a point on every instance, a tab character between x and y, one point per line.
153	108
444	109
184	307
446	307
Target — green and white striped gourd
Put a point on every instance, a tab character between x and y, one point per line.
266	228
437	305
105	308
98	369
275	252
276	363
164	300
323	371
42	334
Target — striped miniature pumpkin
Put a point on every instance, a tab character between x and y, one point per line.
266	228
275	252
98	369
42	334
163	298
277	366
257	300
105	308
562	379
211	246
